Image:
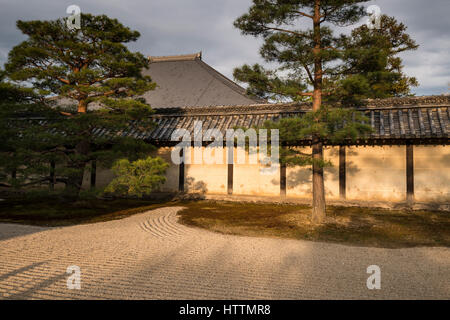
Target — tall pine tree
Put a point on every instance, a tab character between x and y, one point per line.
93	73
308	55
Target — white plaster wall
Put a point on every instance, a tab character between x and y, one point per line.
299	178
373	173
203	177
376	173
254	179
432	173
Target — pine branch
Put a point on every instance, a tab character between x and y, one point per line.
304	14
281	30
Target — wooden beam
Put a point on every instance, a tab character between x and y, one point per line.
410	174
421	124
411	123
181	172
230	161
430	118
342	173
391	123
93	173
283	180
400	121
372	120
441	121
52	175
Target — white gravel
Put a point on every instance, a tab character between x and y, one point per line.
151	256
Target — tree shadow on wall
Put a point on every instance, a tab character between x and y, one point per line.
445	159
351	168
198	187
302	176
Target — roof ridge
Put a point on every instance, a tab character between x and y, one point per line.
227	81
382	104
408	101
181	57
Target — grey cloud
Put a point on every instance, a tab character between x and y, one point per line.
185	26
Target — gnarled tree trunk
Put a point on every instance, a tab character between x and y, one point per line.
77	167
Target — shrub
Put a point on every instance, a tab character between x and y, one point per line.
137	178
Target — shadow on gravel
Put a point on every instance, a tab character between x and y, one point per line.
8	231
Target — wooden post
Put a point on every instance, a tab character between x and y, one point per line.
52	175
230	161
93	173
181	172
342	173
283	180
409	174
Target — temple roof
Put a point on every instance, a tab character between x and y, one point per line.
419	120
395	121
187	81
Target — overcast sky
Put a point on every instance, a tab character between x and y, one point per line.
170	27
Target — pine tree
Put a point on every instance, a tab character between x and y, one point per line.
137	178
371	66
93	74
14	102
308	54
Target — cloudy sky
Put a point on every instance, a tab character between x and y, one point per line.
171	27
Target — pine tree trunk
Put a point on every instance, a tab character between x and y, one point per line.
82	106
318	211
75	181
73	185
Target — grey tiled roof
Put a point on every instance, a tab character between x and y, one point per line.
423	120
188	81
392	120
